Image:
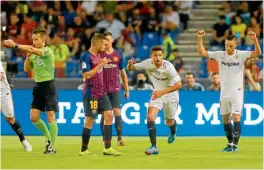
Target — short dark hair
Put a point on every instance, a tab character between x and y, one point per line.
96	38
107	34
230	37
156	48
40	31
222	17
215	73
190	73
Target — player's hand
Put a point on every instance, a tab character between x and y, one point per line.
252	35
127	94
9	43
157	94
103	61
200	34
131	61
2	76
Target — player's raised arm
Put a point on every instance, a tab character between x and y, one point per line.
202	52
257	52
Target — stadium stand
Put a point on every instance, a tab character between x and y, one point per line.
136	25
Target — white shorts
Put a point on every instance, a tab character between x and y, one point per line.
7	106
232	105
168	102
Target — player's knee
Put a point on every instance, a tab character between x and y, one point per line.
116	111
34	118
236	117
226	119
151	117
11	120
88	123
108	115
169	122
51	117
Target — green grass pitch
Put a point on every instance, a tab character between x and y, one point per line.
186	152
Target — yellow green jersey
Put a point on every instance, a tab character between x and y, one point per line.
43	66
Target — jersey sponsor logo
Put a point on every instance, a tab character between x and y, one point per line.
230	64
110	66
84	65
161	78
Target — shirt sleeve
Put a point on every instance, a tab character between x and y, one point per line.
214	55
121	62
144	65
173	74
244	55
85	63
47	52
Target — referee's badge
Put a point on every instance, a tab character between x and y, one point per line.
84	65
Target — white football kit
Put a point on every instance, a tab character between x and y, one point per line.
6	97
231	73
162	78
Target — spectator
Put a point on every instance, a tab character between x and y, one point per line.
254	26
141	83
70	14
73	43
135	21
178	62
184	8
223	12
191	85
28	26
13	28
51	18
61	55
89	7
86	39
171	19
252	83
243	12
238	29
220	32
152	23
168	46
215	86
110	24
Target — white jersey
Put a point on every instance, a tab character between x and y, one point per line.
163	77
4	84
231	71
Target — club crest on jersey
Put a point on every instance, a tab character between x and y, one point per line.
94	111
115	59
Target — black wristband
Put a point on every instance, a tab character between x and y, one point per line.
16	46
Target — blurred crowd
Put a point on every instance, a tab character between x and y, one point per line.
71	24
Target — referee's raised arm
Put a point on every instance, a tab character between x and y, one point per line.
38	36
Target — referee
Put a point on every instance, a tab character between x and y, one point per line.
40	59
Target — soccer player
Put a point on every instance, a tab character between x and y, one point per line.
95	99
231	64
166	82
7	108
40	59
112	85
